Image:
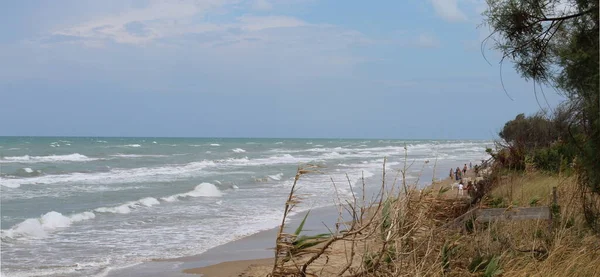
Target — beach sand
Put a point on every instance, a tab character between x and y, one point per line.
233	268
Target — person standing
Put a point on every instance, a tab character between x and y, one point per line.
465	169
451	174
457	173
470	165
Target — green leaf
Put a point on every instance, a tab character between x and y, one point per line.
301	226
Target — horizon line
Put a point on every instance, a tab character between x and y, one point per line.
226	137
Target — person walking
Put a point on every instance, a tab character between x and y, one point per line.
457	173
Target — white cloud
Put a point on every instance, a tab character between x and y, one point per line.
448	10
259	47
158	19
257	23
262	5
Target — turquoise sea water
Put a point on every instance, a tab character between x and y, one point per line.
85	206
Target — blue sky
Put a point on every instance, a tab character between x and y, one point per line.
259	68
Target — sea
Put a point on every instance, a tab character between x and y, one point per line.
86	206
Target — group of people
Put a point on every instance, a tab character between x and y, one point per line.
458	175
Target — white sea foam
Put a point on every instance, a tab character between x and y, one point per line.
135	175
137	156
127	207
82	216
276	177
121	209
154	142
201	190
149	201
75	157
238	150
28	170
39	227
171	198
132	145
205	189
215	144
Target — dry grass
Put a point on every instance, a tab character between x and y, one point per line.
404	232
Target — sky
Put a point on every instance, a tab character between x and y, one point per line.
410	69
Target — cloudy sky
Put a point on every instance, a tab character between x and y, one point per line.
260	68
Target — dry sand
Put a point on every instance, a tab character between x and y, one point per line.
234	269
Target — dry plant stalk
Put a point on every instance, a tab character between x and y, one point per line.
403	231
379	237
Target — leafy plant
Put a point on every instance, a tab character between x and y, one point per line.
479	263
493	268
386	218
534	201
443	190
302	242
447	252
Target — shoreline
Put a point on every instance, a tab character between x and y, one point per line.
252	266
233	257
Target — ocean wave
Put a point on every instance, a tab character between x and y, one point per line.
27	172
113	176
137	156
75	157
238	150
203	189
170	172
215	144
127	207
276	177
132	145
51	221
39	227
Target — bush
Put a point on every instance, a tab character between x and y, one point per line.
556	158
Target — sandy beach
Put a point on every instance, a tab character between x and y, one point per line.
256	265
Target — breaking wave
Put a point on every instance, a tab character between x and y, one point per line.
238	150
276	177
39	227
203	189
75	157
